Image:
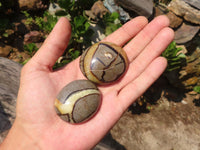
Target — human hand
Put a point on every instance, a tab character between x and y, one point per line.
37	123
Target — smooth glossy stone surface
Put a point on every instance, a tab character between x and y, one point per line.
103	63
78	101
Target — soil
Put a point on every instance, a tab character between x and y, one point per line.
159	122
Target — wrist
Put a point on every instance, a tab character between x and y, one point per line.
18	139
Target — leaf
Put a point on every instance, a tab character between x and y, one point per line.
30	48
114	15
80	27
87	25
75	54
61	13
197	89
111	28
174	59
25	61
181	55
79	21
110	18
5	34
26	13
79	40
64	4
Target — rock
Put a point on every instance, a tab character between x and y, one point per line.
168	126
90	15
33	37
189	75
183	49
193	3
9	85
113	7
31	4
160	11
191	82
53	8
181	8
141	7
98	9
185	33
4	50
175	21
18	56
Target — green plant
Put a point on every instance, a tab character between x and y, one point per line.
29	19
110	22
174	57
25	61
80	29
197	89
80	25
45	23
73	54
60	64
31	48
74	8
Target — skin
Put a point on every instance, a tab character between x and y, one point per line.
38	127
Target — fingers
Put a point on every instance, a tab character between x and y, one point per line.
127	31
154	48
151	52
138	86
135	46
54	45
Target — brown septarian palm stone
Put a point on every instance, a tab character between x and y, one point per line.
104	63
78	101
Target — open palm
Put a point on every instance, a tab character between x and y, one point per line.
40	84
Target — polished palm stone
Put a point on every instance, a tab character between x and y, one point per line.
78	101
103	63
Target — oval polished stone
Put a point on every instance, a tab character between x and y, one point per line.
78	101
104	63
